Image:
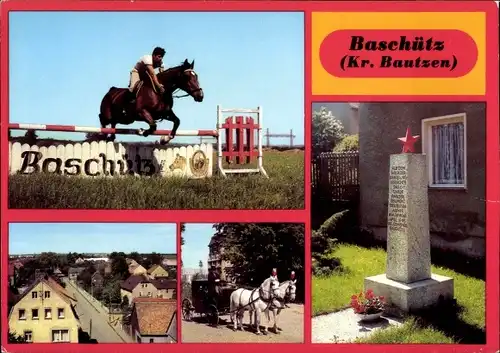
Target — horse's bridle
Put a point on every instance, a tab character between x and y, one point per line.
283	301
187	94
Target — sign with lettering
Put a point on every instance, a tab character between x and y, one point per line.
397	219
108	159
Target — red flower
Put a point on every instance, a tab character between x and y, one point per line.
368	303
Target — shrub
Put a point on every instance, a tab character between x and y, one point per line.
348	143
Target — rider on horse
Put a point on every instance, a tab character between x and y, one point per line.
147	65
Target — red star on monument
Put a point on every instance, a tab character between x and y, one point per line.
408	141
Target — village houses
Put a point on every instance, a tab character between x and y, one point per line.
74	272
97	280
154	320
143	287
45	313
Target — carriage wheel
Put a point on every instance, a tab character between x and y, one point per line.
186	309
212	315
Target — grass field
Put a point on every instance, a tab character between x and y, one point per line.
283	190
333	293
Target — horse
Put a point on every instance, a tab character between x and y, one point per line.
149	105
256	300
286	293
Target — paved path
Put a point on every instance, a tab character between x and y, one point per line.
343	327
291	321
100	330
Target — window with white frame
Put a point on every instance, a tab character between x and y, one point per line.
445	145
28	336
22	314
60	335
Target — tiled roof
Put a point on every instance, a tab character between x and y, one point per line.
60	289
154	315
132	281
163	283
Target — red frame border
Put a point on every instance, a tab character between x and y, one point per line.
492	158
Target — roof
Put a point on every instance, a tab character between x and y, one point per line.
132	281
164	283
75	270
161	283
154	315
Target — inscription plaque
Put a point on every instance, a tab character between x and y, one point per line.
397	219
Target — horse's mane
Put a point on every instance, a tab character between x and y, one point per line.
174	68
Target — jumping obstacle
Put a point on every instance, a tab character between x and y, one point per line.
105	158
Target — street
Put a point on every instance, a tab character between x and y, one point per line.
291	321
93	321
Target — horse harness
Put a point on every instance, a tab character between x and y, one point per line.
268	302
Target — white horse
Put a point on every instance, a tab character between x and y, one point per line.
286	292
256	300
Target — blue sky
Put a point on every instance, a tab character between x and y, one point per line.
27	238
62	63
196	239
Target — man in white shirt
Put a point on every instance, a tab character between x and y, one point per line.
147	64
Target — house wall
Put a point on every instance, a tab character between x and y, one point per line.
42	328
125	293
136	293
139	270
457	217
159	272
142	289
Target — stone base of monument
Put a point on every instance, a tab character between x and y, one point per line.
408	297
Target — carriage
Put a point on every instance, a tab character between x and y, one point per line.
211	305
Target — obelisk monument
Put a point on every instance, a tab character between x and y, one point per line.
408	283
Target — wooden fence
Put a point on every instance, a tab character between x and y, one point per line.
334	178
